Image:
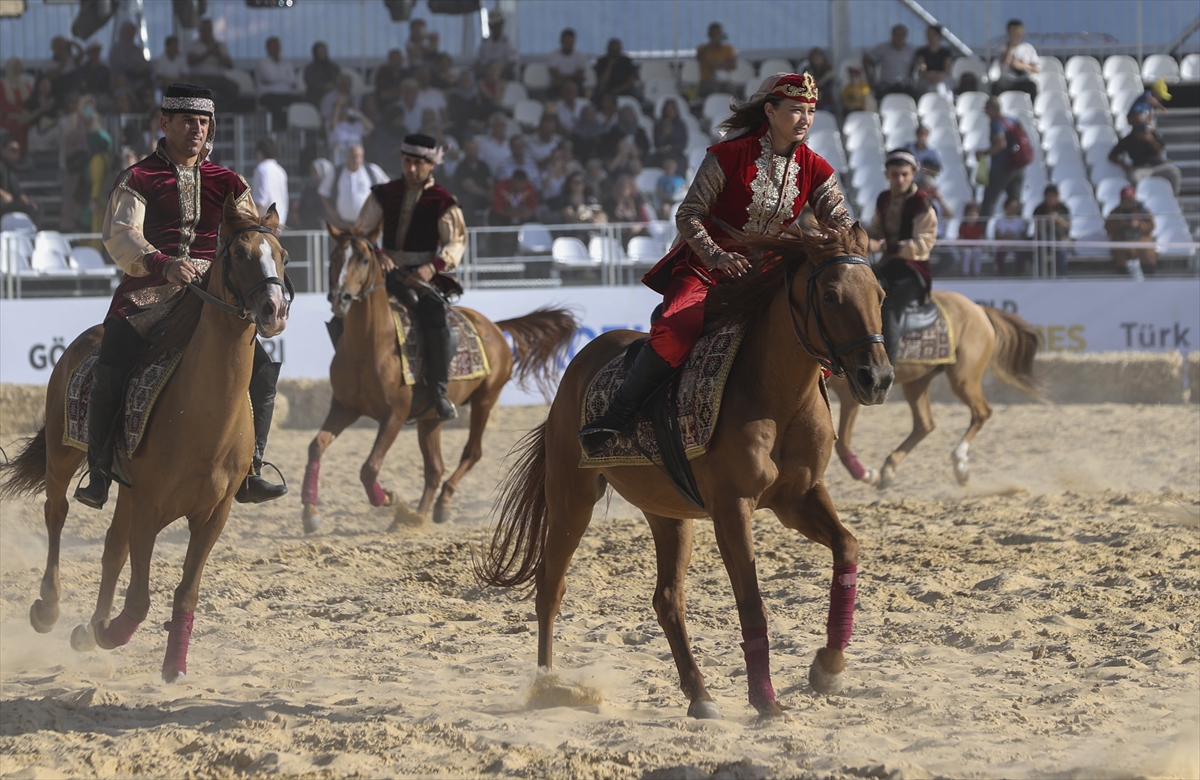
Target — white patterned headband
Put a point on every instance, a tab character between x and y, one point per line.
189	104
424	152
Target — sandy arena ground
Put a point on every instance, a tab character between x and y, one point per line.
1041	623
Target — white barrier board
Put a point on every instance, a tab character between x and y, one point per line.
1073	315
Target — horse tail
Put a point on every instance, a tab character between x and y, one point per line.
540	342
519	541
1017	344
26	474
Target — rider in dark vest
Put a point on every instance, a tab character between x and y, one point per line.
424	235
904	228
161	229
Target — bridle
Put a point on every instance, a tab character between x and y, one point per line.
833	363
362	294
241	311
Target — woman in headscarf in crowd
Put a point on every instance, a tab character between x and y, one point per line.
80	119
628	205
15	90
826	77
95	183
670	135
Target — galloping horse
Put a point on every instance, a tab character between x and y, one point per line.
367	379
769	450
983	337
195	453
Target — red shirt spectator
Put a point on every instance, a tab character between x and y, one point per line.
513	200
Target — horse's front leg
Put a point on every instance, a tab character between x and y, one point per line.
815	517
204	533
112	562
336	421
736	543
429	436
389	428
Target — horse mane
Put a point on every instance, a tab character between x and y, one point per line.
772	258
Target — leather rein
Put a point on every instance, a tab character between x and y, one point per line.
241	311
833	363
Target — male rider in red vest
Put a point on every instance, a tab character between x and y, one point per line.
423	235
161	229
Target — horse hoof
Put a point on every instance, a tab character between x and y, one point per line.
43	616
311	518
441	513
406	518
770	710
886	478
824	682
172	677
962	473
703	710
83	638
871	477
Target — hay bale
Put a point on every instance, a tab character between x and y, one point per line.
307	401
1193	373
22	409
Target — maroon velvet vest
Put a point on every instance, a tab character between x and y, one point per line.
422	233
916	205
183	217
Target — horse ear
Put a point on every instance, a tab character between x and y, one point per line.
861	240
270	220
373	236
230	209
334	231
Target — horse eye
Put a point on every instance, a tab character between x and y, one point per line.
829	297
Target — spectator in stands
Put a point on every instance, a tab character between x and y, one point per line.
670	187
429	96
825	75
451	152
928	185
95	183
545	139
615	73
627	126
1002	177
1052	222
625	160
443	75
609	111
270	183
473	183
342	94
892	65
628	205
348	127
209	64
493	147
422	45
514	200
320	75
577	204
276	81
312	206
1018	64
387	136
927	156
129	157
1141	155
467	108
569	106
127	58
972	228
496	48
1131	221
12	196
968	82
558	167
934	61
493	86
40	117
65	57
172	66
93	76
856	96
15	92
717	54
345	188
80	118
670	136
1011	227
519	159
1144	108
588	131
598	180
410	103
566	64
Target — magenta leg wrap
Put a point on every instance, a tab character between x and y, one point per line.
756	647
120	630
376	495
841	606
850	461
308	494
179	635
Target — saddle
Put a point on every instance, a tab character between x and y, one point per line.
925	335
470	360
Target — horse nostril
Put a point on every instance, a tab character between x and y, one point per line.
866	377
268	309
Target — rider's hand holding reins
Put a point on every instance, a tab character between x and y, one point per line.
732	264
180	272
419	274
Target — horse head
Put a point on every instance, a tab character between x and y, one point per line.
354	270
254	268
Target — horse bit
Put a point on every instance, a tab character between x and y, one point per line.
240	310
833	363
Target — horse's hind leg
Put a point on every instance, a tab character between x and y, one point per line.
916	393
429	437
673	551
43	614
336	421
481	409
969	389
847	414
204	534
112	562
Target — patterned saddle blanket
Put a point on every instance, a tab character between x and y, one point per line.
929	347
470	361
142	391
698	402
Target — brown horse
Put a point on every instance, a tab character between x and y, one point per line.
367	380
769	450
195	453
984	337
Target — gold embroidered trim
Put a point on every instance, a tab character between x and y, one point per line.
124	185
829	204
806	92
696	205
246	192
188	181
773	193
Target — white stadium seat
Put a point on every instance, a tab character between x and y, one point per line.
716	106
571	251
1094	117
1091	99
1060	135
1160	66
1085	81
1097	135
856	119
897	101
1047	101
1124	82
513	93
534	239
1014	99
1080	63
1050	82
1189	69
304	116
1050	64
1120	63
656	69
970	102
536	75
1070	188
647	180
689	73
1056	118
968	65
934	102
773	65
528	113
1108	191
51	254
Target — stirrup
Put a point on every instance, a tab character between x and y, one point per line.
277	491
86	500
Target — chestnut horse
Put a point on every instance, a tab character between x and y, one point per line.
983	337
812	302
196	450
367	381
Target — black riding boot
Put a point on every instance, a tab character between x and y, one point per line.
255	489
646	375
440	346
104	407
892	317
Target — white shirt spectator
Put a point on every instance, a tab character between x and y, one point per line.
275	78
270	185
211	64
342	136
431	97
330	100
1025	54
568	64
496	49
353	187
568	115
541	150
895	65
492	152
168	71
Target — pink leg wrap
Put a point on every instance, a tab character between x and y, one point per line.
308	494
841	606
376	495
179	635
758	666
120	630
850	461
